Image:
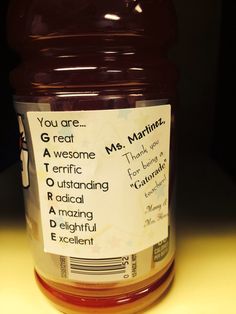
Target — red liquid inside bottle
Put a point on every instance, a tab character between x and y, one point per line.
95	97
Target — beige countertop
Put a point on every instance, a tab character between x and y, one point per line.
205	281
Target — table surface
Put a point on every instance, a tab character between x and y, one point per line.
205	281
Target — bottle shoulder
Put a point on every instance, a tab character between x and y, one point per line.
36	22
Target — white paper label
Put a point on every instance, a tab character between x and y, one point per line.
103	179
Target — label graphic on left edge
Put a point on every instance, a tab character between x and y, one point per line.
24	153
103	179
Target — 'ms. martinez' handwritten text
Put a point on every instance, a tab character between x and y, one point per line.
148	129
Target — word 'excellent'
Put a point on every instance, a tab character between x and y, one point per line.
148	129
72	240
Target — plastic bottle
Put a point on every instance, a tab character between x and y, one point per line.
95	98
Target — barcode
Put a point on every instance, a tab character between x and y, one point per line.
105	266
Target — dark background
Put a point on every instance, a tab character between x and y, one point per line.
8	137
205	54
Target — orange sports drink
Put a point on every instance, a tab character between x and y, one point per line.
95	96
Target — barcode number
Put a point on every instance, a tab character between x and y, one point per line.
104	266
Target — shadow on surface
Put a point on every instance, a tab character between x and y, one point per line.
11	197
